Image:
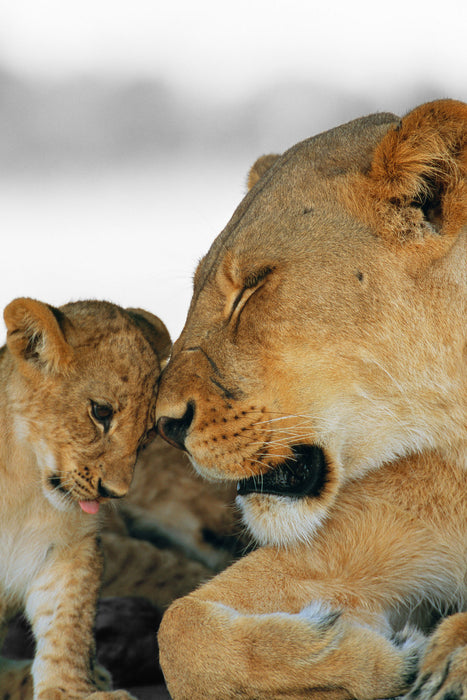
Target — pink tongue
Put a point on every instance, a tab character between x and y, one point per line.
91	507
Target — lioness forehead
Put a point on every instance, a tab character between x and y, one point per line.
301	182
345	147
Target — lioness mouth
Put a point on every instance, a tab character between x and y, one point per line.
304	474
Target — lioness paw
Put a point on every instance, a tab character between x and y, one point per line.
443	673
446	682
412	642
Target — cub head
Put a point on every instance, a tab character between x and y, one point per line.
327	331
80	388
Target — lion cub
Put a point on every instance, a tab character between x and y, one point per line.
77	392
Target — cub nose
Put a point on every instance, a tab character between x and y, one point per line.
107	492
175	430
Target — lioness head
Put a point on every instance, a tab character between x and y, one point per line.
327	330
80	390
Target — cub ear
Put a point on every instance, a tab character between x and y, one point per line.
259	168
35	336
418	176
154	331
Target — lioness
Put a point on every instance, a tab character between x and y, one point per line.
323	368
77	394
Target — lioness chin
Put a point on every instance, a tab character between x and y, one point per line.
323	368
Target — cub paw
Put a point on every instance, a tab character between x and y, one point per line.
102	678
15	680
61	694
443	672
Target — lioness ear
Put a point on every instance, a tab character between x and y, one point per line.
259	168
34	335
154	331
418	176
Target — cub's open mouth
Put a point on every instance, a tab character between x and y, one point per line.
304	474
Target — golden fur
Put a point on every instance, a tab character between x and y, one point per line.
77	395
323	368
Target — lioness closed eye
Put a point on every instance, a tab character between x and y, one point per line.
323	368
77	394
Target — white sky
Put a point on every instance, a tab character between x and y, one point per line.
226	47
131	235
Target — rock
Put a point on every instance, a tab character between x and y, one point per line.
126	640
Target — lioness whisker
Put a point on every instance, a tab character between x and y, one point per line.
280	457
263	464
281	442
285	434
286	417
285	439
284	431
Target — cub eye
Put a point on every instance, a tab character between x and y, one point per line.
102	413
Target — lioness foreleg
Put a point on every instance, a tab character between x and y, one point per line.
220	643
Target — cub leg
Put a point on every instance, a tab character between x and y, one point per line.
443	671
61	605
223	641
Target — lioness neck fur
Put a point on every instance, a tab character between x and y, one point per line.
77	393
323	368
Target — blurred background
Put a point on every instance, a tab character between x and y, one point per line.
127	127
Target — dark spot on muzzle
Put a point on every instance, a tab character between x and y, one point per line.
304	474
56	483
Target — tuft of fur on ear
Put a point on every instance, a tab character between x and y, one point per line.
260	167
418	176
155	332
35	335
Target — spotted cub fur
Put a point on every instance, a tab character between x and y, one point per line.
77	393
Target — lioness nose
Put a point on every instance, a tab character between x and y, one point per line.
175	430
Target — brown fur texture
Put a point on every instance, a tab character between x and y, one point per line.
323	368
78	388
